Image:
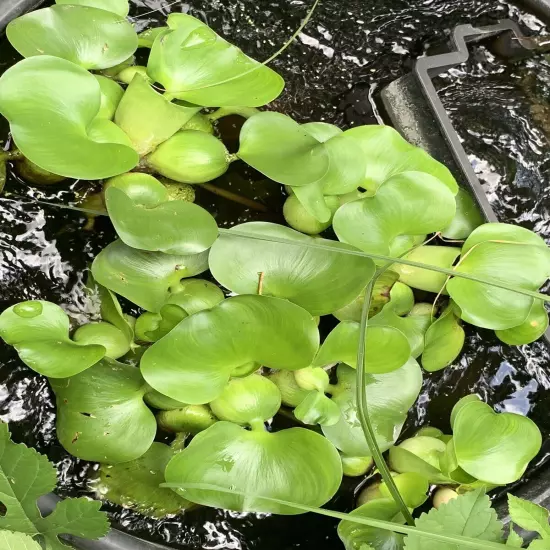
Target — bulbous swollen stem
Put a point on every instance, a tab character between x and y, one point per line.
257	425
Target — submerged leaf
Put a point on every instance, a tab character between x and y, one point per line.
101	416
317	280
193	63
52	105
144	278
39	331
194	362
295	464
90	37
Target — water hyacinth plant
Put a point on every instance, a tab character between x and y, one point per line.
212	361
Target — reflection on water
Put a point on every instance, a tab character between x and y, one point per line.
334	72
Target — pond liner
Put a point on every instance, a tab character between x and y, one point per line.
416	111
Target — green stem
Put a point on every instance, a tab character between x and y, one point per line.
382	257
245	201
245	112
179	442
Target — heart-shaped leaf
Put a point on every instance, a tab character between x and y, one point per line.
144	278
251	400
190	156
90	37
120	7
530	330
39	331
296	465
136	484
114	341
507	254
406	205
101	416
495	448
317	280
387	348
51	105
467	218
145	218
194	362
387	154
444	341
111	94
148	117
193	63
389	398
424	279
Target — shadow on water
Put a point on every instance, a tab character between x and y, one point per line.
333	73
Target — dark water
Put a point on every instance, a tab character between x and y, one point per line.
334	73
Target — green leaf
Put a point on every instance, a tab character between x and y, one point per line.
495	448
443	342
51	105
238	331
358	537
145	218
25	476
39	331
406	207
387	154
389	398
381	294
292	394
194	295
295	464
17	541
514	539
148	117
529	516
101	416
193	63
401	299
530	330
469	515
112	312
424	279
387	348
111	94
103	334
317	280
144	278
466	219
317	408
136	484
412	487
247	400
147	38
120	7
90	37
522	261
539	545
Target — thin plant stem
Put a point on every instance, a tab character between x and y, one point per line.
245	201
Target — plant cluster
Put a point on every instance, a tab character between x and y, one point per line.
214	369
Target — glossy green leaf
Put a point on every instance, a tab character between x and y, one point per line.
523	264
317	408
356	466
194	362
144	278
194	295
362	537
381	294
248	400
313	205
111	94
412	487
190	156
401	299
467	218
136	484
389	398
406	206
317	280
492	447
90	37
148	117
156	400
193	63
112	312
145	218
39	331
388	154
101	416
295	464
103	334
120	7
530	330
443	342
529	516
424	279
387	348
51	105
